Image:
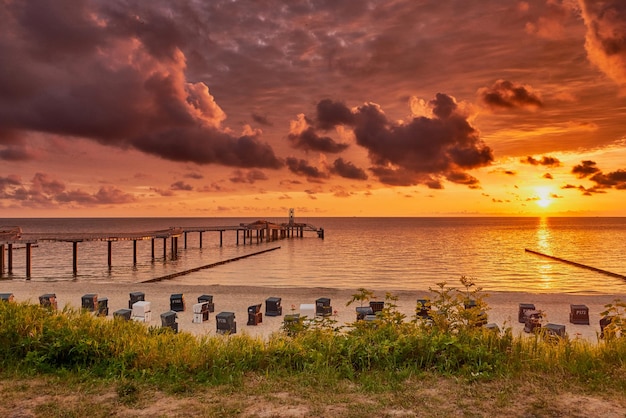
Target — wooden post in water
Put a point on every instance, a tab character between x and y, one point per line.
164	248
1	260
152	245
10	259
174	247
200	239
221	238
185	240
134	252
75	257
109	256
237	237
28	263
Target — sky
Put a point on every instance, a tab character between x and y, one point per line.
246	108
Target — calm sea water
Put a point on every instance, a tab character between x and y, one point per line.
376	253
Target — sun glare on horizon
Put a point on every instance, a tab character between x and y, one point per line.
544	200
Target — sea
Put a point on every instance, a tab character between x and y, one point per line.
375	253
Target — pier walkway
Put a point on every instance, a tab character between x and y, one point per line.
261	231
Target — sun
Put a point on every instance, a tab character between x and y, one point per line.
543	196
544	202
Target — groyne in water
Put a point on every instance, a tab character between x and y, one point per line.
208	266
573	263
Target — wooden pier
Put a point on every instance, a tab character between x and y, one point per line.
259	231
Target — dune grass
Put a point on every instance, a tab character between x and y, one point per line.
36	341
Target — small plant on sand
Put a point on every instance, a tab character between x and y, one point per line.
615	317
293	323
453	309
362	295
390	313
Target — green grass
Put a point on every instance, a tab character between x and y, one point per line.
378	355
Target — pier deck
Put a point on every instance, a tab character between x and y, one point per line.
264	231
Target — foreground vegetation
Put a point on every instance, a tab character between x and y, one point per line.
317	362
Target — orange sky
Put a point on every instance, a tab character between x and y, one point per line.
342	108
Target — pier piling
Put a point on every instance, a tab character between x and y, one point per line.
265	232
75	257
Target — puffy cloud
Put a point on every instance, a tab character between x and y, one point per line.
505	94
8	182
104	196
310	141
115	73
331	114
545	160
614	179
605	40
250	176
462	178
44	191
422	148
302	167
17	153
181	185
262	120
585	168
348	170
194	175
304	136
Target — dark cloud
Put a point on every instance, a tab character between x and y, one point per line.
261	120
104	196
606	36
504	94
545	160
463	178
161	192
193	175
16	154
47	192
11	180
331	114
548	176
422	148
340	192
348	170
309	140
510	172
585	168
115	73
250	176
43	183
186	145
420	151
181	185
615	179
612	180
302	167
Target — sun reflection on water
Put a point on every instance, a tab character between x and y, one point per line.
544	238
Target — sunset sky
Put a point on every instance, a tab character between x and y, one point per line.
331	107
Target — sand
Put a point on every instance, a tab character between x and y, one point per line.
503	306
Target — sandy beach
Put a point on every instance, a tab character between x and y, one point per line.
503	306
